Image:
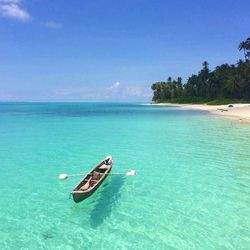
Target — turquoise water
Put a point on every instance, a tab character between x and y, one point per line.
192	190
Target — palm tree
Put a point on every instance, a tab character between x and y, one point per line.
242	46
245	45
205	64
248	43
233	85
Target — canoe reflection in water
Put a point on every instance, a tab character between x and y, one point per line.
106	201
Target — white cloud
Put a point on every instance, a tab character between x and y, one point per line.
12	9
136	91
52	25
115	92
115	86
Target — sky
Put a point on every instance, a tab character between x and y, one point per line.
112	50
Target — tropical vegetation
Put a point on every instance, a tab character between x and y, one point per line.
225	84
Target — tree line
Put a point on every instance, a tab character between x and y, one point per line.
225	81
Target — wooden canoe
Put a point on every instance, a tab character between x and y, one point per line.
89	184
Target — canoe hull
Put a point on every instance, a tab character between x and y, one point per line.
79	195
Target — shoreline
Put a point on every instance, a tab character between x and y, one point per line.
239	112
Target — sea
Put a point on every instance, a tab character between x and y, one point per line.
191	190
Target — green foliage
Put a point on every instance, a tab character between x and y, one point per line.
225	83
225	101
188	99
167	90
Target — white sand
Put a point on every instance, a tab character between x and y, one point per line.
240	112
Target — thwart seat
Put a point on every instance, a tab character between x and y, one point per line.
96	176
86	185
104	167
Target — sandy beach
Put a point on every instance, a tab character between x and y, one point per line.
239	112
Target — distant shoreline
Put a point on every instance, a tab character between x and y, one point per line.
239	112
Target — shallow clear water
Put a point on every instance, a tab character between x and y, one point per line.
192	190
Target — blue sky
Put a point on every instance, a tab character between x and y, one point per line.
106	50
